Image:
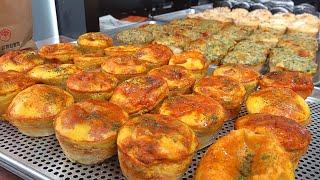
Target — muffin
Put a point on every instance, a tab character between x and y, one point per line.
176	42
154	55
140	94
245	75
91	85
280	102
134	36
301	83
292	136
227	91
11	83
192	60
155	147
124	67
19	61
94	40
202	114
87	131
58	53
34	109
121	50
53	74
89	60
243	154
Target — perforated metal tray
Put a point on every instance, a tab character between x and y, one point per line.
42	158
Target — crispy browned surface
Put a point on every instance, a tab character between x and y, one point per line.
91	82
121	50
140	93
102	118
177	77
95	40
227	91
297	81
154	54
192	60
124	64
20	61
58	53
289	133
242	73
154	139
14	81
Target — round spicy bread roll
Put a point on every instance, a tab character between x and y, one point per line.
191	60
140	94
91	85
94	40
124	67
155	147
20	61
11	83
227	91
246	75
292	136
33	110
59	53
121	50
179	79
301	83
243	154
154	55
87	131
53	74
134	36
280	102
89	60
202	114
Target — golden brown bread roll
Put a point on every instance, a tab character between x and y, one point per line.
59	53
121	50
87	131
95	40
155	147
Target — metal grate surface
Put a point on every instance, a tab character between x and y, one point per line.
42	158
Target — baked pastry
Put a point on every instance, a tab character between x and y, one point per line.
179	79
310	19
245	75
238	13
94	40
33	110
121	50
157	30
227	91
155	147
191	60
87	131
261	14
154	55
266	37
58	53
53	74
124	67
301	83
202	114
292	136
134	36
141	94
11	83
19	61
305	23
177	42
91	85
279	102
89	61
243	154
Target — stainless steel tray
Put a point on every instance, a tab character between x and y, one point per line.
42	158
174	15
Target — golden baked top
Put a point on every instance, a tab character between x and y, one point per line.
121	50
90	120
38	101
192	60
95	40
13	81
153	139
53	71
91	82
176	76
290	134
243	154
227	91
154	54
20	61
242	73
140	93
59	53
124	64
197	111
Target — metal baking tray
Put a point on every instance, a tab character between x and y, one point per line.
42	158
174	15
